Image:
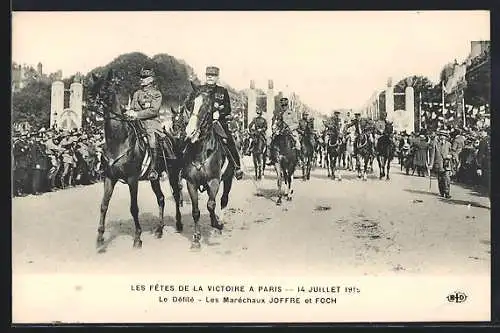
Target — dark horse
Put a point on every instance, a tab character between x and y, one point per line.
284	159
307	152
363	150
259	147
386	150
333	149
123	154
207	161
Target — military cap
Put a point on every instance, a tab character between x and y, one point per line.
212	70
283	100
146	72
357	114
336	112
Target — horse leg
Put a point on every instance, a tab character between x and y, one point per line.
227	184
289	179
176	185
213	188
133	185
193	194
255	166
388	161
160	198
109	185
365	168
279	175
381	167
327	163
358	166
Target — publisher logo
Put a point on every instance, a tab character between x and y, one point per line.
457	297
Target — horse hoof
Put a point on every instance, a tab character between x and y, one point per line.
195	246
179	227
158	234
137	244
100	241
278	203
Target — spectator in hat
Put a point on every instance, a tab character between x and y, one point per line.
457	145
421	148
440	156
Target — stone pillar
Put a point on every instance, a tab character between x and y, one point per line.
410	109
252	102
269	107
389	100
56	102
75	102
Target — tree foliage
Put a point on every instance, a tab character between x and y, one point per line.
32	104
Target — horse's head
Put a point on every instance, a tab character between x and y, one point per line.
102	90
389	128
200	106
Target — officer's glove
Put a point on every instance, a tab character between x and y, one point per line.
215	115
479	172
131	114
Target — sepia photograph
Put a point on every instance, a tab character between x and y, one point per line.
250	166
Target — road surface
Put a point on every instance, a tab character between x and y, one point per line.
373	228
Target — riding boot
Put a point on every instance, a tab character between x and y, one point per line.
153	174
238	173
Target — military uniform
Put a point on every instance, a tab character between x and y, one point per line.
440	156
285	119
146	104
222	105
258	126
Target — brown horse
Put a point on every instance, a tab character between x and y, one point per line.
206	160
284	157
386	149
123	154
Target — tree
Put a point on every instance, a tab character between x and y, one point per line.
32	104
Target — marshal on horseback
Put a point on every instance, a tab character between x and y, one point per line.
133	142
210	156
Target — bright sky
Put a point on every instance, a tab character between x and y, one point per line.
330	59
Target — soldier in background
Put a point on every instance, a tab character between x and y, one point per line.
288	118
258	126
39	164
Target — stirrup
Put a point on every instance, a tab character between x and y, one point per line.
238	174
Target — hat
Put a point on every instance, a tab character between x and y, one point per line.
146	73
336	112
443	132
212	70
357	114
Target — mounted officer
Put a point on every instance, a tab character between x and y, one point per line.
337	121
285	119
222	105
258	126
306	127
145	106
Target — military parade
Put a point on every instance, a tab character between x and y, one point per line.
244	164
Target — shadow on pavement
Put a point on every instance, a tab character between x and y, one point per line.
422	192
464	203
149	221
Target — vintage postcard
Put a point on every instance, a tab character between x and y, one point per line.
235	167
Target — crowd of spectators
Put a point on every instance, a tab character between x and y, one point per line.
470	154
51	159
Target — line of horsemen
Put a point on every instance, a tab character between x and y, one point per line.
67	159
303	131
